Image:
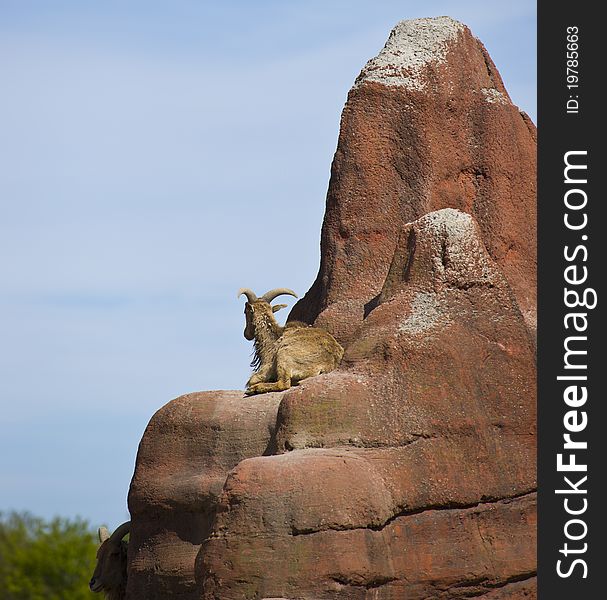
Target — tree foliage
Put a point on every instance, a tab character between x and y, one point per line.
45	560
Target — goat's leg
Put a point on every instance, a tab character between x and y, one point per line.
283	383
263	374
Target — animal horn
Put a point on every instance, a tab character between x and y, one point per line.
103	534
269	296
120	532
250	294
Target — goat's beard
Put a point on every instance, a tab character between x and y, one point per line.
266	333
116	593
256	360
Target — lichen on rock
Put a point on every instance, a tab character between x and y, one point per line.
412	45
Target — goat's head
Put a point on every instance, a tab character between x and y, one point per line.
110	572
255	306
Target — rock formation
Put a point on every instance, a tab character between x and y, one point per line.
409	472
186	452
427	125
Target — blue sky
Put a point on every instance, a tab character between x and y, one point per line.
155	157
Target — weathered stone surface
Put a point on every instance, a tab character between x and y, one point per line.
446	328
427	125
428	424
186	452
450	553
409	472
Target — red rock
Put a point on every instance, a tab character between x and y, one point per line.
429	420
449	553
186	452
409	472
427	125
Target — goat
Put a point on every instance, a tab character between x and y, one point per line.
283	356
110	573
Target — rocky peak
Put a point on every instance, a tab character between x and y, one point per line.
411	46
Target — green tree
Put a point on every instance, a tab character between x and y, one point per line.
45	560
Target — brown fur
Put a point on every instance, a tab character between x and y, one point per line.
111	570
284	356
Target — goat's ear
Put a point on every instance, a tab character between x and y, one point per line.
277	307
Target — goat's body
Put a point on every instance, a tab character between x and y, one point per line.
284	355
300	352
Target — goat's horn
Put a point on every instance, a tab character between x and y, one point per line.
269	296
250	294
120	532
103	534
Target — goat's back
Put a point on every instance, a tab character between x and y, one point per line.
307	351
